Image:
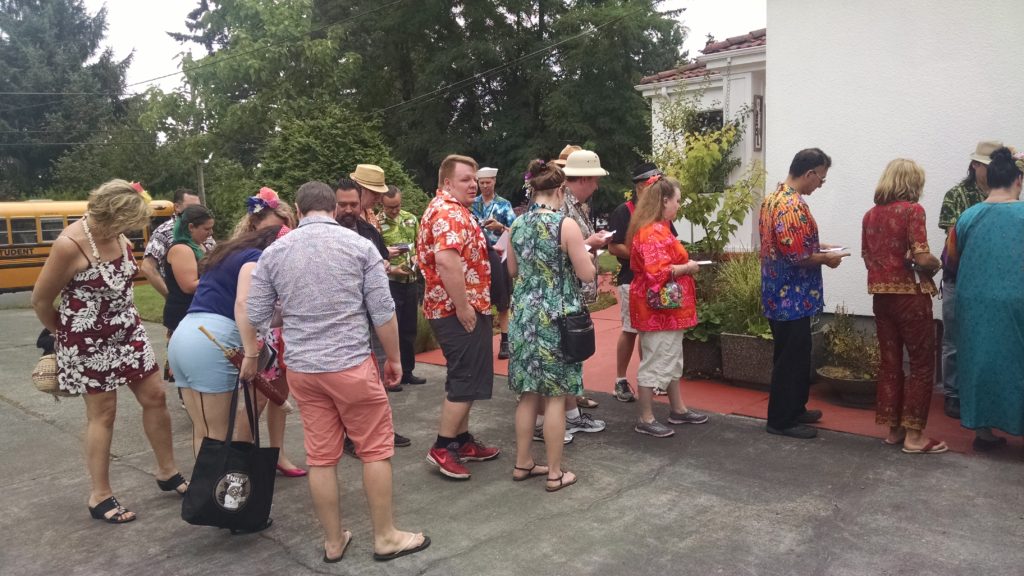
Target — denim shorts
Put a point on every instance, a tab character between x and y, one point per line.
198	363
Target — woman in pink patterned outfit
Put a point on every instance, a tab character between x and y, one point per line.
658	260
100	341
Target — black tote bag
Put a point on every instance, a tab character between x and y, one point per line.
232	483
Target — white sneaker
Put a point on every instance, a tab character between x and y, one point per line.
538	435
585	423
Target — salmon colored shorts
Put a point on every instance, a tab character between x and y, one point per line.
349	403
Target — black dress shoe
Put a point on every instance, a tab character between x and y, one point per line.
951	407
503	351
797	431
401	441
983	445
413	379
809	417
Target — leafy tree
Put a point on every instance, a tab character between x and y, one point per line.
49	46
326	142
128	151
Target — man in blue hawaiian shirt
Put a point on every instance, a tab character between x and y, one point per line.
791	290
495	216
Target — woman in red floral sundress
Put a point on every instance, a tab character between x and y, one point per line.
100	341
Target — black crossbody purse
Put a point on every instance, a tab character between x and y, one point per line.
577	330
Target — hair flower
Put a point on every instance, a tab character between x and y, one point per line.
266	198
137	186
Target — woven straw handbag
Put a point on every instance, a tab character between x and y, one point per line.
44	376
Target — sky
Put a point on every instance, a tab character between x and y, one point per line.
142	26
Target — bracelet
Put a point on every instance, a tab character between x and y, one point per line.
256	355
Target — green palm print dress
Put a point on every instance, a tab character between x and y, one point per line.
536	362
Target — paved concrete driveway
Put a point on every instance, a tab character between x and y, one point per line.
722	498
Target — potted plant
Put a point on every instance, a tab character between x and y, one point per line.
747	345
851	364
746	335
702	348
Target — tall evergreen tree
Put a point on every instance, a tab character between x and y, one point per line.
49	46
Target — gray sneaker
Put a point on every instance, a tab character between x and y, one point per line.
538	435
653	428
623	391
585	423
688	417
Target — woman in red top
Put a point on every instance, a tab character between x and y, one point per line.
894	246
658	260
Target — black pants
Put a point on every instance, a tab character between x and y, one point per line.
405	296
791	372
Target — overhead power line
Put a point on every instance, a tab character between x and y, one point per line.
429	95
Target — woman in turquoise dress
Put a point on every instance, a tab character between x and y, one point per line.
548	259
987	247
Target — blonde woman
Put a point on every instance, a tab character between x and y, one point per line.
99	338
894	245
658	259
266	210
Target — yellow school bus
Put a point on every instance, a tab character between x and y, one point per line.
27	229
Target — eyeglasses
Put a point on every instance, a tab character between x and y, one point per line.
819	177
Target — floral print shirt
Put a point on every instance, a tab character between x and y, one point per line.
889	231
580	212
789	235
448	225
654	251
499	209
957	199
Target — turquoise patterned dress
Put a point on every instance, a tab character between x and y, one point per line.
990	314
536	358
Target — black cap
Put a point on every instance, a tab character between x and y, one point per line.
645	170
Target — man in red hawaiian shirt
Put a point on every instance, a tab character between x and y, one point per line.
452	253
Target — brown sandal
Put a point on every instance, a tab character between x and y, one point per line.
530	472
584	402
561	483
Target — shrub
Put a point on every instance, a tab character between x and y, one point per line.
852	351
738	293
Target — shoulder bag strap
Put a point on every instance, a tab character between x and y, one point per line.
561	271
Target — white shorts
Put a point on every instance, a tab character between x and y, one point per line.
624	308
661	362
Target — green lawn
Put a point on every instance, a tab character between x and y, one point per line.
149	302
607	263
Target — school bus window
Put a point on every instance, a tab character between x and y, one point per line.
137	239
51	228
3	231
23	231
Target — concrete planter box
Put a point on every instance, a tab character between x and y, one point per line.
852	392
702	359
747	360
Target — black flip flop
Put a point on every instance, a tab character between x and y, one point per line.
403	551
343	549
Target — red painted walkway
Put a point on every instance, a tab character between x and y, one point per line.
724	398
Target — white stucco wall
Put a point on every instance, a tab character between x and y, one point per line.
872	80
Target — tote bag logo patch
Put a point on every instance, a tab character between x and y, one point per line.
232	491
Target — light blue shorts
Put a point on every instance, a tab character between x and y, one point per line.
196	361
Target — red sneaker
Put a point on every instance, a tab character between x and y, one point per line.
475	451
447	461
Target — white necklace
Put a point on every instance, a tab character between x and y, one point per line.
102	266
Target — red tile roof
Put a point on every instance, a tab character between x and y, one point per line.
699	69
748	40
691	70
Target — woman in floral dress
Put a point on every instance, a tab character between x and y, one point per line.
100	341
548	259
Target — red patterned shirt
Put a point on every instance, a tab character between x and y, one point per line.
888	233
448	225
654	251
